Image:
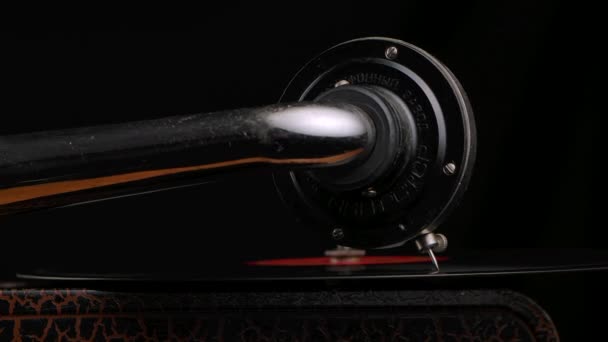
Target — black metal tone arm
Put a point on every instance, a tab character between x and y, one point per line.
40	166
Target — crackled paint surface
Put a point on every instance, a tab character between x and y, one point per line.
84	315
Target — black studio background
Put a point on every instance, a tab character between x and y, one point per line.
531	69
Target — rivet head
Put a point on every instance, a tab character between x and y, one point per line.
391	52
369	193
337	234
449	169
341	83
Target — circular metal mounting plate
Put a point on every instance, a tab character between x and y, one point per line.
418	197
